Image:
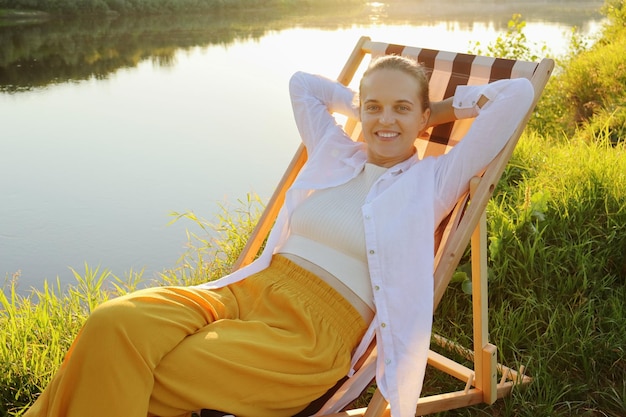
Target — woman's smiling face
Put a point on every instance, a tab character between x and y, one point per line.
392	115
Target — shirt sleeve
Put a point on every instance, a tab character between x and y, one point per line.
465	100
314	99
508	102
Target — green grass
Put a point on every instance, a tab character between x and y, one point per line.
557	257
557	283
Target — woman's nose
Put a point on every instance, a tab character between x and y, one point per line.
386	117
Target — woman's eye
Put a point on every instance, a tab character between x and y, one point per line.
371	108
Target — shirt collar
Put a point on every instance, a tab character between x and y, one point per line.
401	167
359	159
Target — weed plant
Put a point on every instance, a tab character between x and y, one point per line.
557	257
589	83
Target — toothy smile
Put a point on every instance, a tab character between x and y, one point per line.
387	135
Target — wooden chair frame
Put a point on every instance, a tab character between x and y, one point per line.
466	224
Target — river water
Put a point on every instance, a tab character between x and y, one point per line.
109	126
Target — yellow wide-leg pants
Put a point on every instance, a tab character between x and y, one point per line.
265	346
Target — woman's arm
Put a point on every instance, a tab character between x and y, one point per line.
443	111
498	108
314	98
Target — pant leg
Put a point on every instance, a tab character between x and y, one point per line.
292	342
266	346
109	368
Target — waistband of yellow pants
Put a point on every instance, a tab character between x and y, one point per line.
359	305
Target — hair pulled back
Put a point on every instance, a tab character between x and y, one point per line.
407	66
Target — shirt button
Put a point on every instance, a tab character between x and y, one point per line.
387	361
367	216
371	252
383	325
376	288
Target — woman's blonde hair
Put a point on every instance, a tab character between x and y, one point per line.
406	65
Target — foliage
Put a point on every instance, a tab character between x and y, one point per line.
592	86
586	90
615	11
513	44
212	253
37	330
589	92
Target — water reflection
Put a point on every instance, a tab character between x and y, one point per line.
59	51
175	115
78	49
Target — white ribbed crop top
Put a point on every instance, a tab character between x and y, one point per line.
327	229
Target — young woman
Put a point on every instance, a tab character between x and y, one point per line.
350	259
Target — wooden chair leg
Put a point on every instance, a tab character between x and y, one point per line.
485	363
377	405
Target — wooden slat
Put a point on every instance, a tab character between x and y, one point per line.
489	383
450	367
479	295
377	405
437	403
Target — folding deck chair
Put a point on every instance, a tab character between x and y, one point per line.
465	225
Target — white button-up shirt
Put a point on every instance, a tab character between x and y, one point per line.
400	215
